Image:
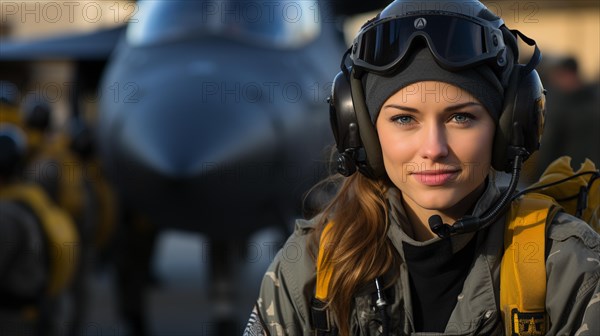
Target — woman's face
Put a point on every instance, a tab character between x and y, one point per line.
436	141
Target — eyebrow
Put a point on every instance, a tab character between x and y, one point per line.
447	109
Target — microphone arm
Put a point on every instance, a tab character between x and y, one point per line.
472	223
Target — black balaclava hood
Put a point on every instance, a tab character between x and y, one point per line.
481	82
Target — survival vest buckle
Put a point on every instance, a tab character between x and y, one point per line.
321	321
528	324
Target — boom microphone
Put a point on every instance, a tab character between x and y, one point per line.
472	223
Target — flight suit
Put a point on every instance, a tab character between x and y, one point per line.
572	295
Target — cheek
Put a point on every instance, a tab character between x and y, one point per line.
396	149
485	140
398	157
474	152
476	146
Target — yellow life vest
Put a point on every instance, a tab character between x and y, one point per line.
571	193
523	267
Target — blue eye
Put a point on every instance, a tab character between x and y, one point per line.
462	118
403	119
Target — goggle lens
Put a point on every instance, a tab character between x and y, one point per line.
455	41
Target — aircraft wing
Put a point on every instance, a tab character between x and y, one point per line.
94	46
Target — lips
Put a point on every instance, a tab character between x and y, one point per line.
436	177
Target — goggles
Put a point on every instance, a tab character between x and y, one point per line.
456	41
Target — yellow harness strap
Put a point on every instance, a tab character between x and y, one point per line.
320	318
324	271
523	268
60	231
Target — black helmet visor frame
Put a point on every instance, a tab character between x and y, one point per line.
456	41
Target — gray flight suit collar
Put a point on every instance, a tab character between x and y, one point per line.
477	303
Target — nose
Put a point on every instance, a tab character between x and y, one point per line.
434	143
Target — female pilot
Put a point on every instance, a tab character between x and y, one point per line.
430	102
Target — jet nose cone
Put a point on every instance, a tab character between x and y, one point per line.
176	133
177	157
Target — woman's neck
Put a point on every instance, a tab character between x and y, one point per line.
419	217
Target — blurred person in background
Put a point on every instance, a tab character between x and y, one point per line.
573	115
48	198
23	274
38	248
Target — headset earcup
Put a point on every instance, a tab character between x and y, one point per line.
372	164
504	127
522	119
356	139
531	105
342	116
344	126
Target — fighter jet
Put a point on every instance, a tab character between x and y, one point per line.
219	125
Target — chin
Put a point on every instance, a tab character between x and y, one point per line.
437	200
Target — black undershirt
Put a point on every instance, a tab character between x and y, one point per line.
436	279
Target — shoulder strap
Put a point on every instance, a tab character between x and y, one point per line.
321	319
59	229
323	270
523	268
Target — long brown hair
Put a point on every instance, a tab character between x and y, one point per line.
357	248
